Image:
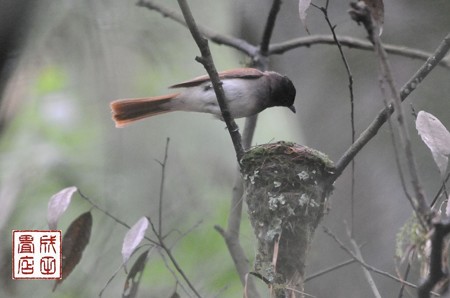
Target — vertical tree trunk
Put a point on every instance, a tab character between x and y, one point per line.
286	191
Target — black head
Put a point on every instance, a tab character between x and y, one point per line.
282	92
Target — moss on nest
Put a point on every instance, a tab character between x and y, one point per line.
286	192
298	153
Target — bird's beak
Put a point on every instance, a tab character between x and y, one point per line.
292	108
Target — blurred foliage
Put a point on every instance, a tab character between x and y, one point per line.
51	79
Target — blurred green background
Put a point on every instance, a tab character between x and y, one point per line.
80	55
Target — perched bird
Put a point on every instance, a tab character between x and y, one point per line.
248	91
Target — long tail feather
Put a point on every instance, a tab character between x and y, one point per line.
126	111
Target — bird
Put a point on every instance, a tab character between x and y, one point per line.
248	91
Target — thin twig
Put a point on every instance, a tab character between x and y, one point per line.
405	277
233	243
419	202
364	264
330	269
234	219
166	264
231	235
161	186
382	116
369	278
394	144
208	63
181	235
441	189
238	255
280	48
108	282
353	43
116	219
324	10
268	29
172	258
222	39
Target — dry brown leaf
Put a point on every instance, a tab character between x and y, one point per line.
74	242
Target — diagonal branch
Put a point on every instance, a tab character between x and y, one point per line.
328	270
367	274
382	116
364	264
351	42
208	63
324	10
267	35
231	235
172	259
418	202
214	36
161	186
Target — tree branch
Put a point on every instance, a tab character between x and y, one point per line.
324	10
231	235
270	24
364	264
116	219
172	258
328	270
279	48
369	278
222	39
351	42
161	186
208	63
382	116
418	202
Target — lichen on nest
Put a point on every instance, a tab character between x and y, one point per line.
286	165
287	187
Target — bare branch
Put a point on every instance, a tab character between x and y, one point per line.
161	186
166	264
405	277
395	146
441	189
237	253
208	63
364	264
231	235
369	278
172	258
419	200
280	48
111	216
382	116
330	269
351	42
324	10
222	39
264	46
361	13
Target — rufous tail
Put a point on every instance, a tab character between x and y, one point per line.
126	111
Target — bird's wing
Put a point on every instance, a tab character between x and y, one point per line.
244	73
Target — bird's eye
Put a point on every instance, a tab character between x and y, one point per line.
207	87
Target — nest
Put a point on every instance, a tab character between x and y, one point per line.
287	187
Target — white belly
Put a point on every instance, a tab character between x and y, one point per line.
241	94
